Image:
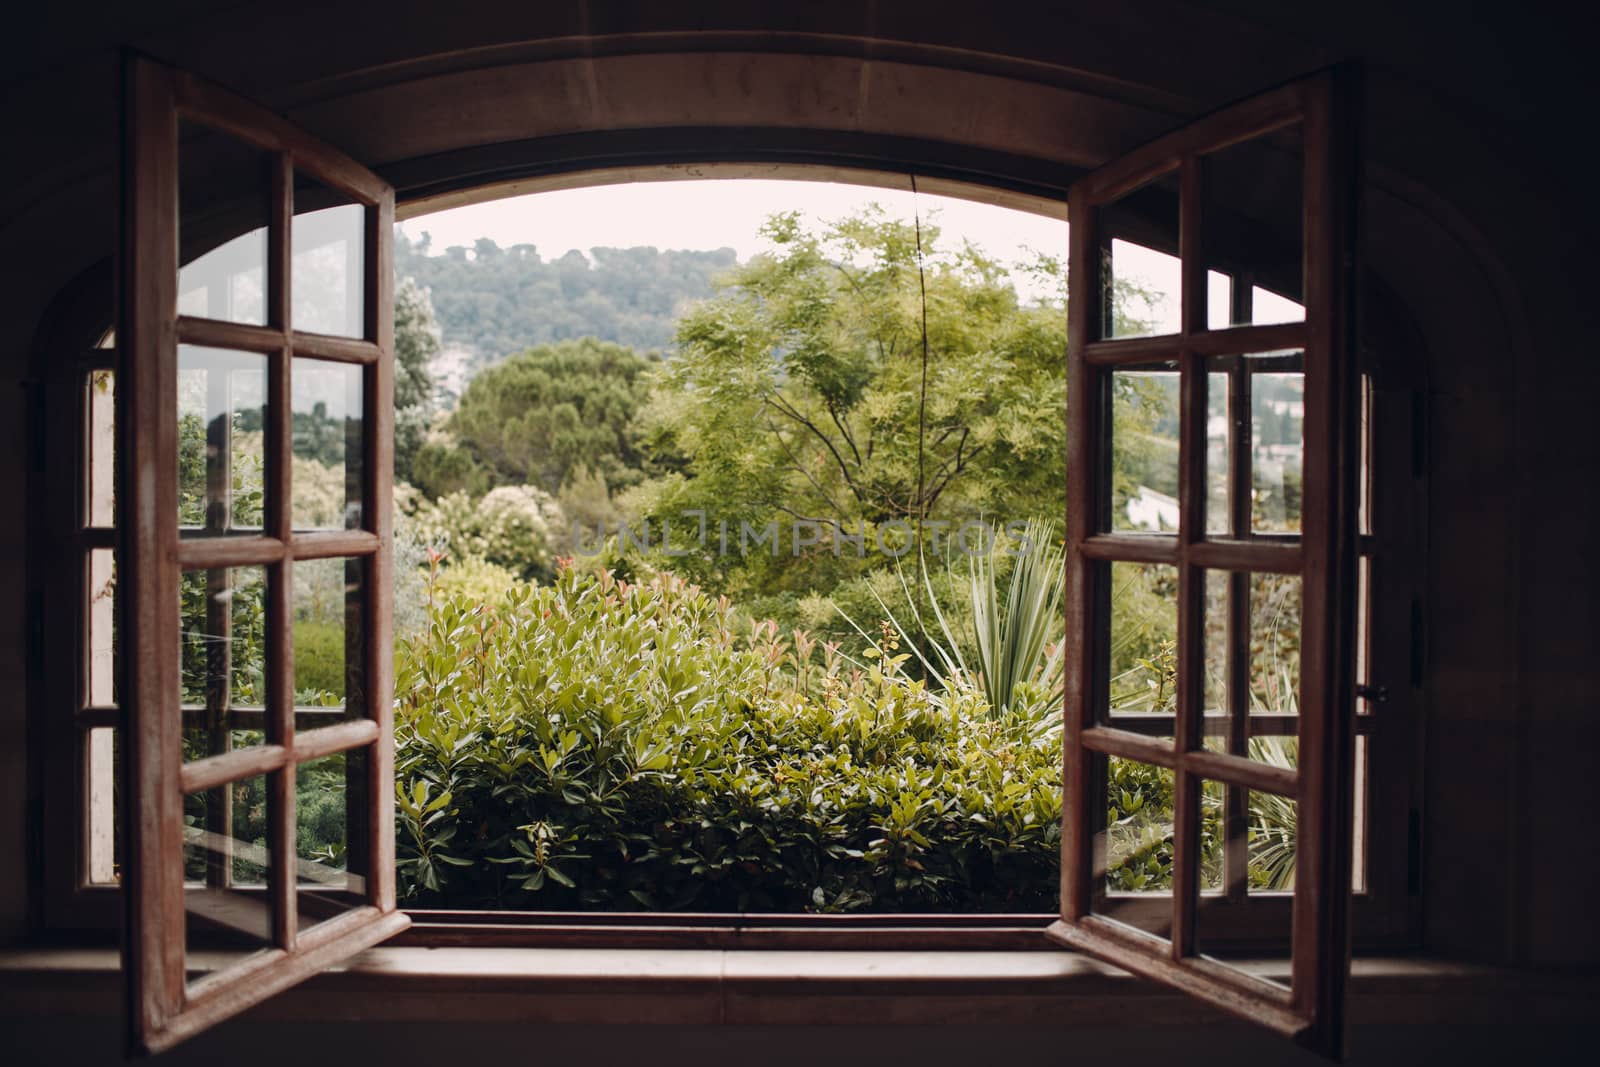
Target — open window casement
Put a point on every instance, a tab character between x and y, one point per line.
1256	204
255	417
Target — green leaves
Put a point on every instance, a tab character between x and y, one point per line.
599	744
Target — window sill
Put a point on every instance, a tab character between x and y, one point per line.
761	987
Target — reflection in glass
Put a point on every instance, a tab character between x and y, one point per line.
327	639
330	867
222	411
1219	439
226	862
1253	221
1143	642
329	261
1141	279
327	429
1277	449
223	648
1265	830
223	193
1143	478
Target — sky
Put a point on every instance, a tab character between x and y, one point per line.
718	213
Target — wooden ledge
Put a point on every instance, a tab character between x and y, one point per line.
750	987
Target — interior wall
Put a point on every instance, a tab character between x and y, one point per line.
1479	225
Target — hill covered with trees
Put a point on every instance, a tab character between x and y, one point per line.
496	301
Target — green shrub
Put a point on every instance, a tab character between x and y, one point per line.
594	744
597	744
319	659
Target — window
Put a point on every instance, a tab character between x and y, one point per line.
239	303
1262	406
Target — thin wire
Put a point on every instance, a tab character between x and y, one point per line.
922	401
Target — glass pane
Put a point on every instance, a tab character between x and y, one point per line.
1253	225
1277	446
327	412
330	806
1219	299
1138	837
329	262
1141	279
222	413
1219	442
1363	630
101	438
1143	478
1358	864
102	779
1143	645
102	659
1252	665
223	645
224	192
1262	928
327	640
226	861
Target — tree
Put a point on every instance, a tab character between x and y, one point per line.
799	395
416	343
543	413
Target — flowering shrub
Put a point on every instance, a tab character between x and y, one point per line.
512	526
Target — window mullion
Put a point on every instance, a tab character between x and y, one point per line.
281	819
1189	726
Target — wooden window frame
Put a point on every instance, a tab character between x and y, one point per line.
1325	556
1386	911
164	1005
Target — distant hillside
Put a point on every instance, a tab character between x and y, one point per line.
495	301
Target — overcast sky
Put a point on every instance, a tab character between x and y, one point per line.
716	214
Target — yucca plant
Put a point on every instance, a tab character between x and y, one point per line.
1016	661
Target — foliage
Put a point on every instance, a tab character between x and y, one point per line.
417	341
540	415
604	745
512	526
1016	661
495	300
796	395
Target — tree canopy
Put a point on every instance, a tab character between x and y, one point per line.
798	391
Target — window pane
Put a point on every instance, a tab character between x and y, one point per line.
1252	665
1219	445
223	197
223	644
327	444
1277	448
1143	479
327	640
226	860
1143	645
103	780
222	413
1138	835
330	835
329	263
1252	217
1141	278
100	490
102	659
1259	924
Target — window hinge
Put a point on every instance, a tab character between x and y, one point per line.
1377	694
